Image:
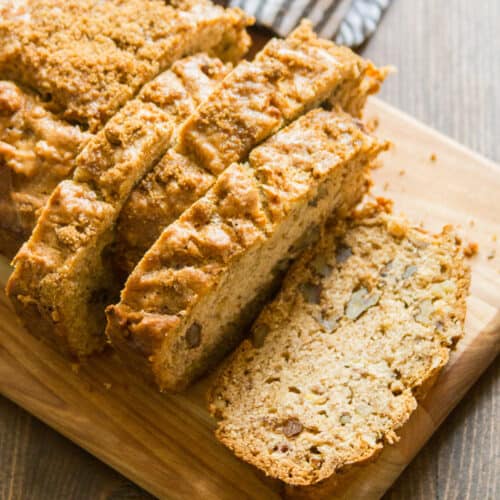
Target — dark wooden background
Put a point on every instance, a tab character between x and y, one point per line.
448	59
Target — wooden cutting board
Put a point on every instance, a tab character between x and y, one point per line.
166	444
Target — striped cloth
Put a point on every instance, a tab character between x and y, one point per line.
347	22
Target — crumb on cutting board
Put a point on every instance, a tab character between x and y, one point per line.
372	124
433	157
471	249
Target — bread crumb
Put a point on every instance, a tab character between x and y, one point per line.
108	386
471	221
402	171
384	204
372	124
375	165
471	249
397	228
491	255
433	157
493	237
386	186
75	367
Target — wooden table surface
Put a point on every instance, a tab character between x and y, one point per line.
449	78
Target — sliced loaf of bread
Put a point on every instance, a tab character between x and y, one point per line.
287	78
188	300
63	278
336	363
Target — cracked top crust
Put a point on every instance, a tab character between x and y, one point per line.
86	58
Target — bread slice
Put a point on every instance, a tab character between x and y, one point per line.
188	300
87	57
287	78
37	150
62	277
336	363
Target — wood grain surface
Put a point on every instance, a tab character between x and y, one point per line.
447	56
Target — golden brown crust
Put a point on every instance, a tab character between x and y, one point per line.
287	78
62	270
37	151
247	208
176	181
365	322
87	58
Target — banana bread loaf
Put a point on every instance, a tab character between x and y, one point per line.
188	300
88	57
287	78
62	276
271	109
337	362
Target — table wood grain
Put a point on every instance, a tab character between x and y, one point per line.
448	77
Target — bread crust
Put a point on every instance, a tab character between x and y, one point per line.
65	270
88	58
62	270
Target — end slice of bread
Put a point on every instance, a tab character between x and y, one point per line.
189	299
336	363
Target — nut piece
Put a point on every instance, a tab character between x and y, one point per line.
361	300
193	336
259	334
311	292
409	271
329	324
321	267
343	252
292	427
345	418
424	312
